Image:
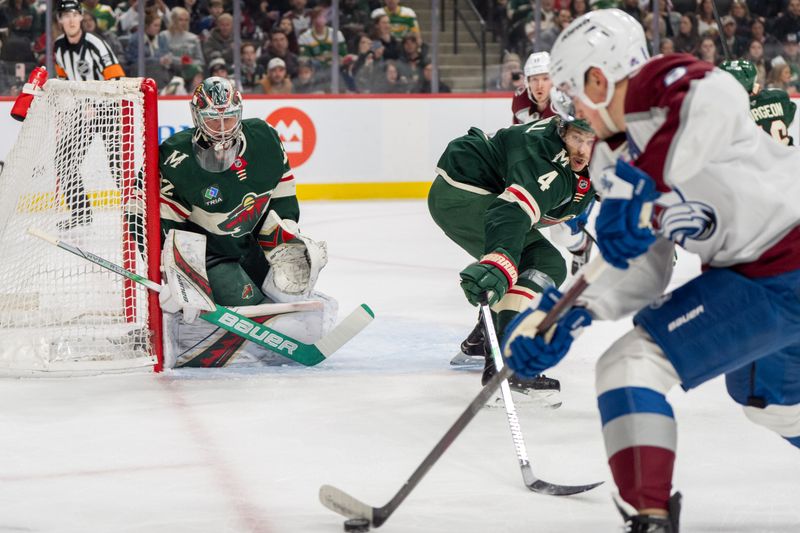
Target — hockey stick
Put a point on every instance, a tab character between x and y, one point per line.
230	320
531	481
340	502
725	50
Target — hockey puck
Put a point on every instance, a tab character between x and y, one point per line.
356	525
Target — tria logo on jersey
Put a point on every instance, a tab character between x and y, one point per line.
212	195
246	215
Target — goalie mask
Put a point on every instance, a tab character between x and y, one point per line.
217	115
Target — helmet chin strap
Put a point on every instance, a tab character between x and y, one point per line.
607	120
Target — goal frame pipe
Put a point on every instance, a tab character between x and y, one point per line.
153	223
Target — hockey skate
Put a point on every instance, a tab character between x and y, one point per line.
639	523
540	391
473	350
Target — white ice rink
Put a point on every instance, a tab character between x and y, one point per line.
246	450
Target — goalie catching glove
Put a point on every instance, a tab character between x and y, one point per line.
528	353
186	287
295	260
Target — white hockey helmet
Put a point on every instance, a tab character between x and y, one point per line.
537	63
607	39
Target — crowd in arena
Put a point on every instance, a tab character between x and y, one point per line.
287	45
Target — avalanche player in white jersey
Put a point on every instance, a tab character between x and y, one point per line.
678	137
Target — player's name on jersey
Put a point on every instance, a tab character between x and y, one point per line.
773	110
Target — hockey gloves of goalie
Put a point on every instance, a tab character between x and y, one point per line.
623	225
493	275
528	353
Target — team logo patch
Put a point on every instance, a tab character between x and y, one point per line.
247	292
246	215
212	195
583	185
239	164
680	220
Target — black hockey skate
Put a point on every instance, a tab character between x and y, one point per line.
653	524
473	349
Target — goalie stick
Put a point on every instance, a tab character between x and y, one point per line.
531	481
340	502
230	320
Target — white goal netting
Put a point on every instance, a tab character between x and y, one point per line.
77	172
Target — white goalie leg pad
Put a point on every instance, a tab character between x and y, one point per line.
294	266
183	261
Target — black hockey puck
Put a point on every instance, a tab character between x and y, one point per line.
356	525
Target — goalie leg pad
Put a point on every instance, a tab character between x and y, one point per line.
186	282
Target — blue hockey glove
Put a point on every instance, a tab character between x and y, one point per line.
529	354
577	224
620	234
493	275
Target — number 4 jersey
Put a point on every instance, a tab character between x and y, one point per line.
773	111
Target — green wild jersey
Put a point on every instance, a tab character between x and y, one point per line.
229	207
773	111
527	167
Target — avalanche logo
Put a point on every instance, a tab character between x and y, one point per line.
244	217
297	132
679	220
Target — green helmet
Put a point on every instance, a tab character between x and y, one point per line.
577	123
744	71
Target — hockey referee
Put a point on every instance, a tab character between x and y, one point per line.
82	56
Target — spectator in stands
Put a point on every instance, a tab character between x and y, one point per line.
766	9
788	22
286	25
208	23
220	41
306	81
265	15
382	32
195	16
279	47
562	20
251	70
772	46
755	55
741	15
300	17
368	63
403	20
427	77
183	44
157	57
666	46
579	7
192	76
353	19
780	77
631	7
687	40
391	82
103	14
24	26
218	67
276	81
737	46
510	78
706	23
647	23
791	55
89	25
127	15
547	21
707	51
411	61
316	42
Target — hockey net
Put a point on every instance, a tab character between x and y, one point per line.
84	168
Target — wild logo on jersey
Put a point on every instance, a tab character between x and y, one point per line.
244	217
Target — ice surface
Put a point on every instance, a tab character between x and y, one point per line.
246	450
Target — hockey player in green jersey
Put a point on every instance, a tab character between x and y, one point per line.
228	181
771	108
491	196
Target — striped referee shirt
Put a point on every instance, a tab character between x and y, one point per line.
88	59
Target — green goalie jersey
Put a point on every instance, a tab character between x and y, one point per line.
229	207
527	167
773	111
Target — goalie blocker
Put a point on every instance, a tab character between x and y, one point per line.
305	314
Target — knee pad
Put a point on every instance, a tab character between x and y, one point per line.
635	360
782	419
